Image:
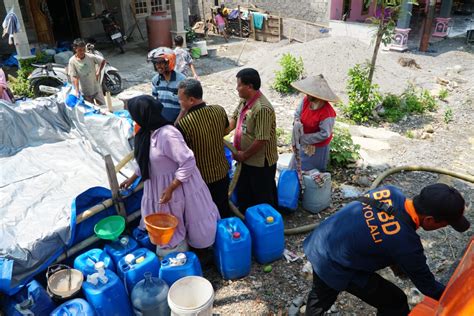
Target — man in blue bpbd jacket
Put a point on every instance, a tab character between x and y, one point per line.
347	248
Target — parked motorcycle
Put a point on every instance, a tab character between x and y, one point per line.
112	29
55	75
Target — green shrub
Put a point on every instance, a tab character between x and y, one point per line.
428	101
190	35
418	101
363	96
292	70
443	94
448	115
394	108
343	149
21	86
410	134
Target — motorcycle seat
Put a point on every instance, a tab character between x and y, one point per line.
48	65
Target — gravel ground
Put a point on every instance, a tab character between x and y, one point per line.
435	143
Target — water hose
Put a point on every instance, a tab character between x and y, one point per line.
390	171
307	228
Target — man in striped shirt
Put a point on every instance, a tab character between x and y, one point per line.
203	127
165	83
255	139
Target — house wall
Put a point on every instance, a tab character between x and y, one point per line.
356	10
315	11
91	27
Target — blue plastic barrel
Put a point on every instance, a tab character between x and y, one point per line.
85	262
108	298
32	297
233	248
288	189
141	236
170	272
266	228
132	268
75	307
121	247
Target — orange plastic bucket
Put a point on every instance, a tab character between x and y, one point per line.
160	227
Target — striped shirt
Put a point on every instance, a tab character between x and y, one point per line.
259	124
203	128
167	93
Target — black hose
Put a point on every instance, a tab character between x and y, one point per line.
307	228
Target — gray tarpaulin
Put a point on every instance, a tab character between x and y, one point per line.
49	154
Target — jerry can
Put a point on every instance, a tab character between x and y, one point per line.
177	265
132	268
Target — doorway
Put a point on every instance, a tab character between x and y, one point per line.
64	18
346	10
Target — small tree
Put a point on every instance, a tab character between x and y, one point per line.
386	22
292	70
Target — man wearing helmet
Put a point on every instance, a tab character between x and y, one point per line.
165	82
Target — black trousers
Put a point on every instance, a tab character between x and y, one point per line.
220	196
380	293
256	185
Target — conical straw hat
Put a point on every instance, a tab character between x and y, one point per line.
317	87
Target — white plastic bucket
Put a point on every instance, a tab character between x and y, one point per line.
191	295
203	46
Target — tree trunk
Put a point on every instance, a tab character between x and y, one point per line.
378	40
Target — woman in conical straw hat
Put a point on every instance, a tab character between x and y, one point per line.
314	122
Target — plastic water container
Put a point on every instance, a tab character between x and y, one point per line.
75	307
149	297
288	189
316	198
121	247
85	262
132	268
31	298
266	228
141	236
177	265
203	46
228	156
192	295
106	293
233	248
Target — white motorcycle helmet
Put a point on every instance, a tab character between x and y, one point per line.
160	52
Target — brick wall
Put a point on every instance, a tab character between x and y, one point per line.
315	11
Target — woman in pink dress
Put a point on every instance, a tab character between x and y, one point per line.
173	184
3	87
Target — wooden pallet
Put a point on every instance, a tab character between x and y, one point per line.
271	31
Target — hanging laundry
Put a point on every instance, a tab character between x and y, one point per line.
11	25
258	20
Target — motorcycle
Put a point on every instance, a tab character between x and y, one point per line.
112	29
55	75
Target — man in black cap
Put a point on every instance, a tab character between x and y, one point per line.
377	231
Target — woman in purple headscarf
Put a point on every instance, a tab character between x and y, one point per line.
173	184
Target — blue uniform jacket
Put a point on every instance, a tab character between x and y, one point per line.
357	241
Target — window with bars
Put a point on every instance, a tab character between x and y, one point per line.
160	5
141	7
146	7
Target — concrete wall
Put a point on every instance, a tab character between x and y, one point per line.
316	11
336	10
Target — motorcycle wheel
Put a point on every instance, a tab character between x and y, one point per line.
112	82
119	44
44	82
